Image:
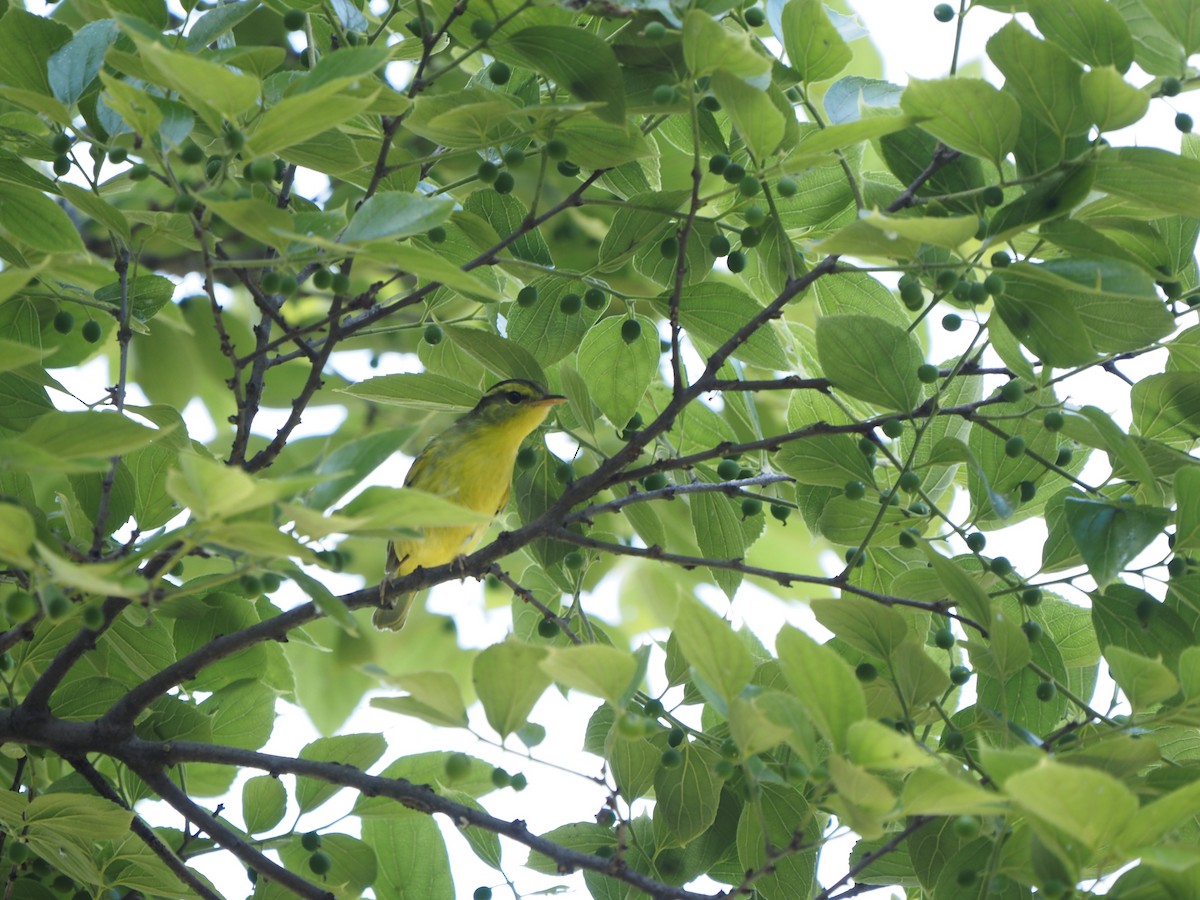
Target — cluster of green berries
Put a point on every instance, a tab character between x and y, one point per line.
64	323
490	172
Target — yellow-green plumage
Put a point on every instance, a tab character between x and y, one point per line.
471	463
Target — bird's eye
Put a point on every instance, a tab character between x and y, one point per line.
514	397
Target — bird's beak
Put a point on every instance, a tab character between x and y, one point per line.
552	400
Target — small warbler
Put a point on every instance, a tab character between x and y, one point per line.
471	463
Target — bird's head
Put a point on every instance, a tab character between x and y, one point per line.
516	406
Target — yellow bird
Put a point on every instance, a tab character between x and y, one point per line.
471	463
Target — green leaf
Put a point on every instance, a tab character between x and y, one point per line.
1090	806
719	535
1092	31
708	46
1158	818
1127	617
967	114
505	358
507	215
934	792
264	800
1166	406
394	214
814	47
823	682
1180	18
1146	682
870	359
74	65
34	219
596	669
577	60
1155	49
873	745
1110	101
868	626
619	371
417	391
509	680
596	144
779	816
74	435
686	798
433	697
485	844
967	593
145	294
432	267
1151	178
714	652
826	459
214	92
1042	77
712	313
27	42
1110	535
17	533
301	116
360	751
1187	512
753	114
411	855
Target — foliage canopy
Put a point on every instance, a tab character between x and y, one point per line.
792	307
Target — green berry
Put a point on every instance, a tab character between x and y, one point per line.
270	282
436	235
751	236
734	173
499	73
1028	490
953	741
654	31
527	296
866	672
487	171
1170	86
548	629
912	296
754	215
655	481
787	187
271	582
754	17
928	373
718	163
671	757
908	538
736	261
719	245
728	469
951	322
606	817
1014	447
750	186
433	334
514	157
664	95
724	769
322	279
185	203
855	490
61	143
504	183
556	149
669	248
943	12
854	557
482	893
631	330
780	511
1046	691
992	196
893	428
1012	391
944	639
1053	420
288	285
564	472
261	171
62	165
976	541
1031	597
1001	566
866	446
976	293
19	606
500	778
573	560
966	827
63	322
1063	457
629	725
251	585
234	139
526	458
311	841
481	29
139	172
751	506
320	863
570	304
595	298
294	20
120	154
909	482
1000	260
1033	631
994	284
959	675
91	331
1183	122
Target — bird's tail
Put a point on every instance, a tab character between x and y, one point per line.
392	617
